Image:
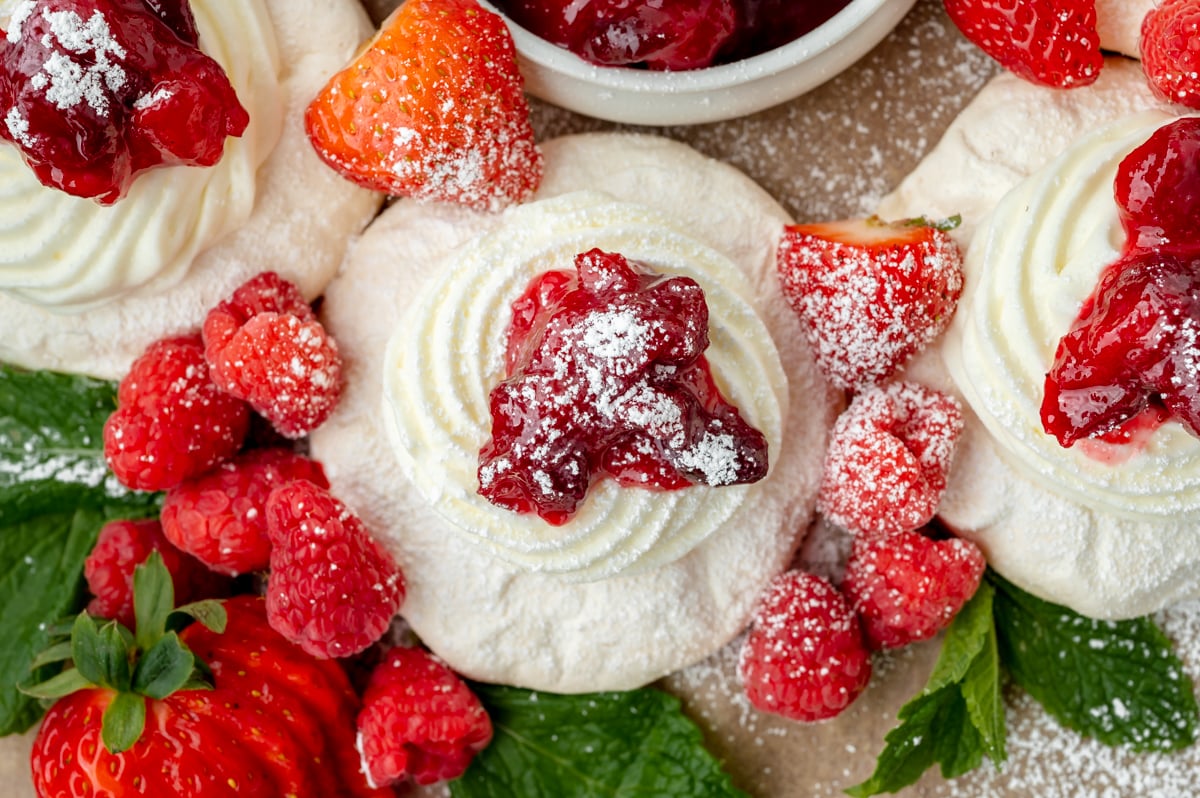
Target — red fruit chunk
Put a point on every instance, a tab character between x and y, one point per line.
1170	49
804	657
1157	188
889	454
124	545
171	422
767	24
419	721
870	294
220	518
606	377
1049	42
432	108
908	587
1133	344
333	590
264	345
95	92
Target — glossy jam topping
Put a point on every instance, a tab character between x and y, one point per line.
1135	347
94	92
606	376
669	34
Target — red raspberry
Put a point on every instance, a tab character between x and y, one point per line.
888	458
1049	42
124	545
333	589
171	422
1170	47
907	587
265	346
870	294
220	518
804	657
419	720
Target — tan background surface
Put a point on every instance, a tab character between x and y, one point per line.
832	153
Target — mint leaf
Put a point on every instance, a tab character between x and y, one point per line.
630	744
959	716
55	495
1117	681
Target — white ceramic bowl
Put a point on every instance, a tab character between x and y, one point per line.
643	97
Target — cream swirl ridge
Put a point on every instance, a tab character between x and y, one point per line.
49	253
436	407
1037	258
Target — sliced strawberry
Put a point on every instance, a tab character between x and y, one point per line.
432	108
888	458
1049	42
1170	47
870	293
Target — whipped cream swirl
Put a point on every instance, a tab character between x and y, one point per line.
1029	269
48	240
447	354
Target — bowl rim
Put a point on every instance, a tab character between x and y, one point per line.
562	61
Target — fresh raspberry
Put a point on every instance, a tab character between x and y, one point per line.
220	518
804	657
124	545
419	721
333	590
1170	48
171	422
1048	42
265	345
888	458
870	294
907	587
1157	187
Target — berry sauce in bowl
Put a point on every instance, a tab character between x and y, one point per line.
671	84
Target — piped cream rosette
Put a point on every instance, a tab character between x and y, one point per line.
85	288
645	582
1109	531
439	414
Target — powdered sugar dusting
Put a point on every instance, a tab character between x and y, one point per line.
95	70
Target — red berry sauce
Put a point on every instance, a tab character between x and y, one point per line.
94	92
606	376
1134	351
669	34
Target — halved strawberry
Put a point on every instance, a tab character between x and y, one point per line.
870	293
1049	42
432	108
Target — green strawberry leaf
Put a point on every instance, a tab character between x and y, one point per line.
55	494
209	613
65	683
153	600
165	668
123	722
958	717
1117	681
599	745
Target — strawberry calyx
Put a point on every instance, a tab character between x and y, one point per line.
151	662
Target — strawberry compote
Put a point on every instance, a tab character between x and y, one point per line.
669	34
94	92
1135	348
606	376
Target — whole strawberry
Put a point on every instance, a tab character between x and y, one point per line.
419	720
224	708
908	587
1170	48
869	293
1049	42
432	108
804	656
333	589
